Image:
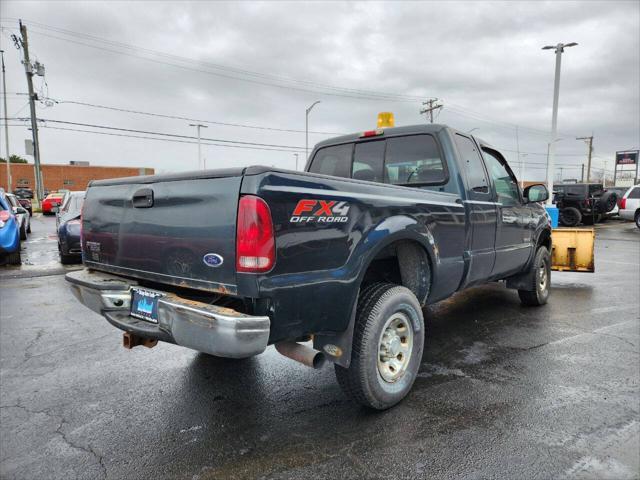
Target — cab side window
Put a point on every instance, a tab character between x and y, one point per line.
505	184
414	159
472	164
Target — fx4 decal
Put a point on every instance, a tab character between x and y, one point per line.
320	211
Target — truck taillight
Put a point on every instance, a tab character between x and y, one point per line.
623	204
255	244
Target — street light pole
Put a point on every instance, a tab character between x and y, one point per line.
198	127
559	49
522	168
296	155
306	129
6	124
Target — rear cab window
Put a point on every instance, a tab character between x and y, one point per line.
410	160
635	193
334	161
368	161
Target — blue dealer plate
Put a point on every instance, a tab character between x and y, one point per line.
144	304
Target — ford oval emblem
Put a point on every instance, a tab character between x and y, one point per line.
212	260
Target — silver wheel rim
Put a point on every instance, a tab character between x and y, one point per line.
395	347
543	277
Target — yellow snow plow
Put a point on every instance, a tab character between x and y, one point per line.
573	249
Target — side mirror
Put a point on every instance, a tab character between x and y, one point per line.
21	210
536	193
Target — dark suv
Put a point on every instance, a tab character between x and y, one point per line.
585	203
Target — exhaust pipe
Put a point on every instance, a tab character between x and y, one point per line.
129	340
301	353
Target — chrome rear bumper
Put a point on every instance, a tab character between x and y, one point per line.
207	328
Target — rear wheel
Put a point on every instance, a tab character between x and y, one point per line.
637	219
23	231
14	258
591	219
29	227
538	293
570	216
66	259
387	347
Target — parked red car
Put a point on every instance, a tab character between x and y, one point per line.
53	200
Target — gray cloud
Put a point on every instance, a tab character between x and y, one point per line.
482	58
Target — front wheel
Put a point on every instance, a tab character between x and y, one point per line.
637	219
23	232
387	347
538	294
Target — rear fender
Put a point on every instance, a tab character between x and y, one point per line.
337	346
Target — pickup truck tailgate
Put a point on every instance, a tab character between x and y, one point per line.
174	229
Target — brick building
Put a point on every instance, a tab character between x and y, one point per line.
71	177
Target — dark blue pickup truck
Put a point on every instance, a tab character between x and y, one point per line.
344	254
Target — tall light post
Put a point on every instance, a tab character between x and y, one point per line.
522	168
198	127
549	149
296	155
6	124
306	129
559	49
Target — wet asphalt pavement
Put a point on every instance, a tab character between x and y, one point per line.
504	391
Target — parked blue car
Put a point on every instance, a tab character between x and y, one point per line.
9	233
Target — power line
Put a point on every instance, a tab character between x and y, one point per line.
172	135
217	65
530	165
48	127
260	77
335	91
176	117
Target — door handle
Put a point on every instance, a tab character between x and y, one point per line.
143	198
484	189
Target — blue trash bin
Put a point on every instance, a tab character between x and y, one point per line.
554	214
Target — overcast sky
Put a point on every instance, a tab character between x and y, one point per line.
273	59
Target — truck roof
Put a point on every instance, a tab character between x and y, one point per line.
388	132
399	131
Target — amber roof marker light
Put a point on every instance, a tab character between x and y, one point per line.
386	120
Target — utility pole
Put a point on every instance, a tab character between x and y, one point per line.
296	155
559	49
306	129
6	124
432	105
589	140
582	173
198	127
28	68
